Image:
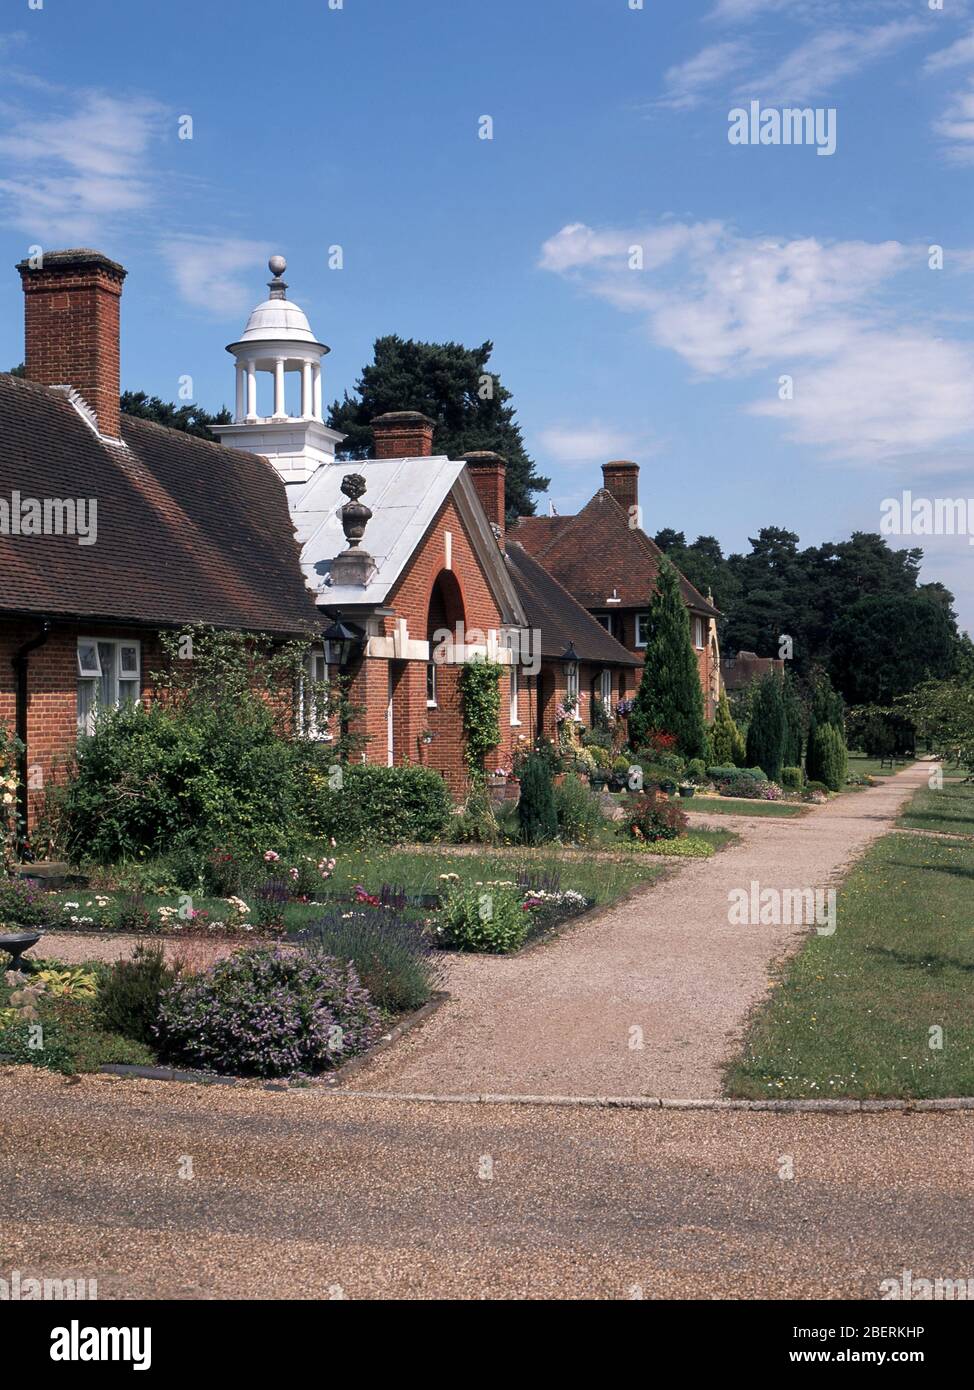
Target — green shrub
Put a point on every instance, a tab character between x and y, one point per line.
128	1000
828	758
816	787
485	917
697	770
577	808
792	778
367	803
621	766
22	904
536	810
150	776
476	823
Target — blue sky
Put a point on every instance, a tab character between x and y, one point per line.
358	127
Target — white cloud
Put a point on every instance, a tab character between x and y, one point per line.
828	58
686	83
733	10
865	386
73	171
572	445
957	55
956	126
207	271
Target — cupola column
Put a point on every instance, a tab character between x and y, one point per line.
316	369
307	391
251	391
279	411
241	393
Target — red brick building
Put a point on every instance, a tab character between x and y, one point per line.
112	528
608	563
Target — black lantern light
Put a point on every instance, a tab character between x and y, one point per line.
342	643
569	659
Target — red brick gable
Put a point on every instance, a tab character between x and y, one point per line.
597	551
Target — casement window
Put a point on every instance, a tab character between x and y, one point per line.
608	621
605	690
312	711
109	675
642	629
431	685
698	633
514	693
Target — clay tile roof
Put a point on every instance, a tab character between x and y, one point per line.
597	551
187	531
560	619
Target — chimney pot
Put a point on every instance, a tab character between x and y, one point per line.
71	317
402	434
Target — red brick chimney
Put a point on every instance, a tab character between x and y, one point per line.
621	480
71	304
402	434
488	471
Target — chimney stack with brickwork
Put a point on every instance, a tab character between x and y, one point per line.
621	480
488	472
402	434
71	315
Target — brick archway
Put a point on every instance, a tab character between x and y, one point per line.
445	612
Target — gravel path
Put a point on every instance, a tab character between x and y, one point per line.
560	1020
302	1195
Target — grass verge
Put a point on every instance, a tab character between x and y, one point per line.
854	1014
949	810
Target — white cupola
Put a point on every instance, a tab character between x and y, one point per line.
277	340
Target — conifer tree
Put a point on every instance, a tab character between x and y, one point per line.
767	732
670	697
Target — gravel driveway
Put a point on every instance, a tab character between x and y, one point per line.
666	962
302	1195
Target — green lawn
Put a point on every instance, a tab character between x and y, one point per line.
951	809
742	806
861	766
853	1013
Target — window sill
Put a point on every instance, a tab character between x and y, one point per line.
431	704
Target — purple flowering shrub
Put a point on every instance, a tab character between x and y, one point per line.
23	904
267	1013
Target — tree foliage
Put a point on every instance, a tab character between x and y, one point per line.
454	386
767	734
669	698
192	419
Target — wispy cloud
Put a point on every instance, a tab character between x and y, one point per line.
734	10
215	274
686	83
866	384
956	126
73	171
959	54
819	64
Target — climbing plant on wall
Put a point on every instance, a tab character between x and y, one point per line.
480	695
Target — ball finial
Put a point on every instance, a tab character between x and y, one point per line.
277	265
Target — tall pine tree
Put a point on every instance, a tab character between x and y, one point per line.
670	697
453	385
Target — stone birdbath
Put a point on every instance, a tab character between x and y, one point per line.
15	944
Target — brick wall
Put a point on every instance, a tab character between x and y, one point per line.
470	599
52	702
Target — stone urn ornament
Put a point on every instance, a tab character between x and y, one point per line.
355	514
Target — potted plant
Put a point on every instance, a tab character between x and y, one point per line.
687	788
